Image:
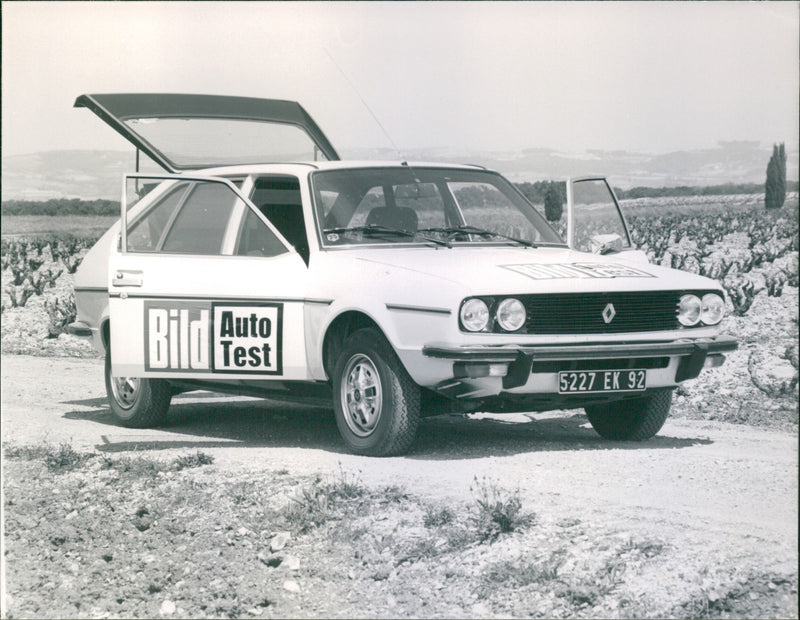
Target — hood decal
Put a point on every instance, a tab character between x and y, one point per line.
557	271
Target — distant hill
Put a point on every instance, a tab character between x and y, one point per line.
65	174
97	174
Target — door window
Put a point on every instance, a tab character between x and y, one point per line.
201	222
195	217
146	233
256	239
599	226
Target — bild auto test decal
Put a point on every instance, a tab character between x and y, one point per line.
557	271
213	337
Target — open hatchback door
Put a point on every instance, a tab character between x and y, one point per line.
189	132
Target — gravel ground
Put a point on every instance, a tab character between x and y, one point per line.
210	534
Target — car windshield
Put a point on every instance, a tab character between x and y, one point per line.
443	206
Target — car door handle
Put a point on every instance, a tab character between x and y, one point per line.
127	278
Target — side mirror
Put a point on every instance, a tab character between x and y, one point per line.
606	244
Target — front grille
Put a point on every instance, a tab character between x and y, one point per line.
585	313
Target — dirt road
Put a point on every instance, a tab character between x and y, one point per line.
719	491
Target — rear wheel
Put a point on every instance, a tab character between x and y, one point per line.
636	419
376	403
137	402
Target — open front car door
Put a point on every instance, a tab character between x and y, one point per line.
201	287
595	222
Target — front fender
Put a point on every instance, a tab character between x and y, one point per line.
406	327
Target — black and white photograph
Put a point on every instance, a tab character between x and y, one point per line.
399	309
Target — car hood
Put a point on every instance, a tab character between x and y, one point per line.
190	132
487	271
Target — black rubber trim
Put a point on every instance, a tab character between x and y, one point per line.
691	365
325	302
424	309
91	289
518	371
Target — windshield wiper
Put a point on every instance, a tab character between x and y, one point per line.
377	229
453	231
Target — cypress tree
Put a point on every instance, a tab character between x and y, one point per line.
782	171
553	205
775	186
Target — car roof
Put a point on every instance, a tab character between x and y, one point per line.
303	168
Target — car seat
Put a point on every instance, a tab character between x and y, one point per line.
397	218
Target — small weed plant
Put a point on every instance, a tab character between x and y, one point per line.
497	511
525	572
437	516
309	508
134	466
322	500
198	459
145	467
58	459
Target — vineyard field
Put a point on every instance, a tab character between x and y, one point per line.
90	226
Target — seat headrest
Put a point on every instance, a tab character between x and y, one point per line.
398	218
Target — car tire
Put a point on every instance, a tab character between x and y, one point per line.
137	402
636	419
376	403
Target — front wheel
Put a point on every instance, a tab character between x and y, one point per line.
636	419
137	402
376	403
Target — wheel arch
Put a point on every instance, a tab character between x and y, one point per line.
338	331
105	334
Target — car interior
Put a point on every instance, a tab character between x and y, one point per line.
278	199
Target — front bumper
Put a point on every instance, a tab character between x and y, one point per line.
692	355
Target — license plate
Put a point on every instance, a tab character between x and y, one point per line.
594	381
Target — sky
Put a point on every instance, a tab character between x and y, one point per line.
573	76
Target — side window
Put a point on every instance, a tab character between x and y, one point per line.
145	233
255	239
598	223
201	222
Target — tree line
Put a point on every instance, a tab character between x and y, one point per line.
60	206
711	190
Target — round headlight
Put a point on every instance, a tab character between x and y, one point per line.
689	310
713	309
511	314
474	315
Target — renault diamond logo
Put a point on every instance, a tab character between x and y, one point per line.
609	313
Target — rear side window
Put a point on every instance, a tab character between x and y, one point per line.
201	222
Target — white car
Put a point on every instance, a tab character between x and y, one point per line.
262	265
